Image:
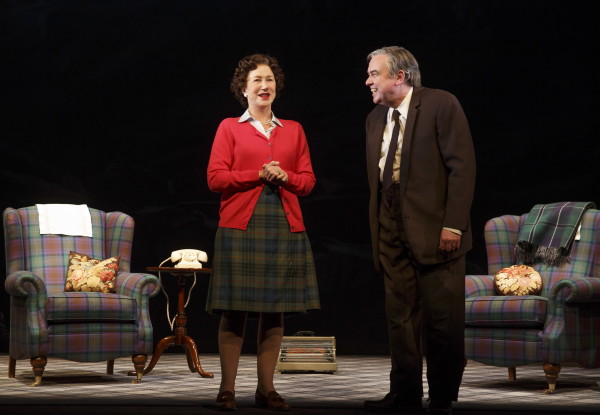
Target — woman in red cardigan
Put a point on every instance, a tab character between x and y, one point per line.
263	263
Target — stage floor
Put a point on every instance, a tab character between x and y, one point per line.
170	388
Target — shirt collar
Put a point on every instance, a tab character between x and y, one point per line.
246	117
403	107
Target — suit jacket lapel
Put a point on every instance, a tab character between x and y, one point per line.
375	140
411	118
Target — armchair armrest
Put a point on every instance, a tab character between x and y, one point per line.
141	287
26	284
137	285
479	285
577	290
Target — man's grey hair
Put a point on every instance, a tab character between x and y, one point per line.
400	59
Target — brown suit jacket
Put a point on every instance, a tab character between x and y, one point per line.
437	173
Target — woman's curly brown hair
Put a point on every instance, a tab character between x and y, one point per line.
246	65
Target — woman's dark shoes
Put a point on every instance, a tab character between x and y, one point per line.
393	403
272	401
226	401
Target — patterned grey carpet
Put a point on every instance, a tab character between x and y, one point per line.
170	388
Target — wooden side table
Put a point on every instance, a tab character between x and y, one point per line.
179	336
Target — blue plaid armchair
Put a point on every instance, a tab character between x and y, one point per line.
560	325
80	326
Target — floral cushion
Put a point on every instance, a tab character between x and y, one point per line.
518	280
90	274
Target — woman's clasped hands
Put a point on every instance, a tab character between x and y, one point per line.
273	174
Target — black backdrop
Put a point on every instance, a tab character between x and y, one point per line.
114	103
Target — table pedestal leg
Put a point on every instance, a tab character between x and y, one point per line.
192	357
179	338
162	345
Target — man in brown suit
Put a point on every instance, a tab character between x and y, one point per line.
420	228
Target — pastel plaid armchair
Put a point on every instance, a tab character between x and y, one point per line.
560	325
80	326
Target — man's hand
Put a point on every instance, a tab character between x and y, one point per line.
449	242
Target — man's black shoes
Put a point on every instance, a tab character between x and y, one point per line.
437	407
394	403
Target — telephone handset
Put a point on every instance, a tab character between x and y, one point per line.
188	258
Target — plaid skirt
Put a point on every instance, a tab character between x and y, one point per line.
266	268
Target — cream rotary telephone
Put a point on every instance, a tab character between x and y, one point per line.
188	258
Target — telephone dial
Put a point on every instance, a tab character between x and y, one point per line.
188	258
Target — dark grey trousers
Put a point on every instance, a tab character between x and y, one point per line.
425	309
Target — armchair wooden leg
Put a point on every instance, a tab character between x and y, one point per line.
12	366
139	362
551	372
110	367
38	364
512	373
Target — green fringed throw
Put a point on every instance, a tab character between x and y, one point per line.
548	233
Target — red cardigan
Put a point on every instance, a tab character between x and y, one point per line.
239	152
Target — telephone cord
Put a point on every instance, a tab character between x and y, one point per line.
162	287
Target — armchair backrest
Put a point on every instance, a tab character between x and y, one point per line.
47	255
501	235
